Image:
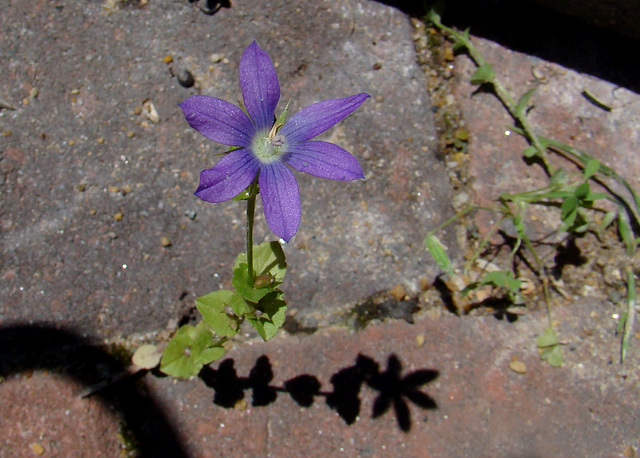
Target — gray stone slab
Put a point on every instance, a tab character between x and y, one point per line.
90	186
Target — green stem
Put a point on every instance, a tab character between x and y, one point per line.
251	209
455	217
631	313
483	242
500	91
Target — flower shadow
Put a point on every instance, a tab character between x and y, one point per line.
393	388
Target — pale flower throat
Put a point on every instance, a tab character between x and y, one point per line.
268	146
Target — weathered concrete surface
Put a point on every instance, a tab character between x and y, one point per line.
316	396
560	110
483	407
90	188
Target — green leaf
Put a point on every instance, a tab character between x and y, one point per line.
204	350
282	118
582	190
461	40
519	225
548	338
438	252
190	348
268	259
503	279
241	284
625	232
523	103
608	219
569	210
593	196
530	151
240	306
559	177
247	193
553	356
483	74
244	195
629	314
213	308
435	13
470	287
591	168
591	98
621	322
270	315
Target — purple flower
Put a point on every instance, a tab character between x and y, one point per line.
265	146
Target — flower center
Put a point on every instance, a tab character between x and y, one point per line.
268	146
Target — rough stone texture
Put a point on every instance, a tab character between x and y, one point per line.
483	407
560	111
42	414
90	188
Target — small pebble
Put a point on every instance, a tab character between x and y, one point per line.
420	340
377	66
629	452
149	110
165	241
37	448
215	57
518	366
131	134
100	140
448	54
167	59
6	133
462	134
126	189
114	189
81	187
118	216
92	211
398	292
147	356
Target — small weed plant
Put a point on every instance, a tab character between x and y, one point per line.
571	192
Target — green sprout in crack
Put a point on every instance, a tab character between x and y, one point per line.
572	193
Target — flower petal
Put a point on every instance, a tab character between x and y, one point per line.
259	84
324	160
280	199
316	118
218	120
230	176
